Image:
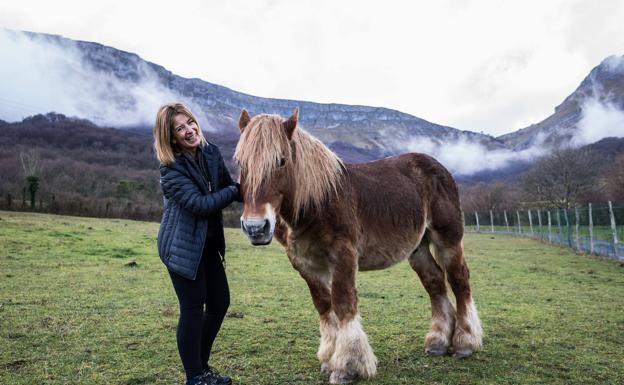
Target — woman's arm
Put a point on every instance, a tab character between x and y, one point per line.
183	191
226	178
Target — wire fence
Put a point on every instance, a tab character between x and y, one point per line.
596	228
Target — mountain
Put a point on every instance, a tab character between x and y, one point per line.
357	133
114	88
604	85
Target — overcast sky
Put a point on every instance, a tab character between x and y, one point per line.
488	65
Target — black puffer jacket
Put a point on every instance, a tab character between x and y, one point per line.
191	205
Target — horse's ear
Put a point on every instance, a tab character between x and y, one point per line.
290	124
243	120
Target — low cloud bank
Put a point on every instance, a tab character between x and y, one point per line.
466	157
39	74
601	117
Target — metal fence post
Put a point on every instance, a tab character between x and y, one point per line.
539	220
492	220
560	235
530	222
549	228
576	227
506	221
477	217
568	230
591	231
613	231
519	228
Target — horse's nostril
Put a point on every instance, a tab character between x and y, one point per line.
267	225
243	226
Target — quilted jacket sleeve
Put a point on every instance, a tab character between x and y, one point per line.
224	173
182	190
226	178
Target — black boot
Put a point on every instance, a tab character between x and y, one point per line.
198	380
211	376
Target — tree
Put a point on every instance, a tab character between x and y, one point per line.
482	197
562	177
31	164
615	179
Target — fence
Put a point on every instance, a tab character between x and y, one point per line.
107	208
592	229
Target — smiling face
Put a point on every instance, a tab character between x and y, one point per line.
185	133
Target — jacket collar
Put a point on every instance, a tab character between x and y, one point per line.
206	155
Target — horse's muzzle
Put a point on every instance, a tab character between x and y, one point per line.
258	231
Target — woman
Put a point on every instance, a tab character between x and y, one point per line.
196	186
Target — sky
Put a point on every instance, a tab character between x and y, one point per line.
489	66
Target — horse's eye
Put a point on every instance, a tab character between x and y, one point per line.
282	162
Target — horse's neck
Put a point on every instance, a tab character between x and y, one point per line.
287	211
307	218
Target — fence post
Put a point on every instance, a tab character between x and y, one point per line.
576	227
492	220
549	228
568	231
613	231
530	223
506	221
539	220
477	217
591	231
519	228
560	236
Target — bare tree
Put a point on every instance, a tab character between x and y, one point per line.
560	178
615	179
31	164
492	196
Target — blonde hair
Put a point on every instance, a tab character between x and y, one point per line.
165	148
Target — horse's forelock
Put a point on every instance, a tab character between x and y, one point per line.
317	169
259	149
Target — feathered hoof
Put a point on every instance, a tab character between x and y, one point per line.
436	351
325	368
464	353
436	344
342	377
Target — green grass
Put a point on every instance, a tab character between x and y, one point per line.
73	312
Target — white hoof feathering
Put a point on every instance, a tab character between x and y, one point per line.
353	353
438	339
329	328
468	333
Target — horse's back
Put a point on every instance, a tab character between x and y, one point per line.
402	175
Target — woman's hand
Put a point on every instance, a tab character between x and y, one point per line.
238	196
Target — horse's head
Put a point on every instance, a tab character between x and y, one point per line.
266	174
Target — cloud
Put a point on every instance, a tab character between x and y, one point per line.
41	74
600	120
601	115
466	157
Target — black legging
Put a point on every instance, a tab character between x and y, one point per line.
198	326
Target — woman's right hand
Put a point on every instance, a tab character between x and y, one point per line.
236	189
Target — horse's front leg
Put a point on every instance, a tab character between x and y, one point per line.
353	356
319	283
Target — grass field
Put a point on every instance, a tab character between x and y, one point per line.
74	310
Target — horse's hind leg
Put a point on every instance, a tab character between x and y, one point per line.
467	337
440	333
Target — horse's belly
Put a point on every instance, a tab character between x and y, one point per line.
377	256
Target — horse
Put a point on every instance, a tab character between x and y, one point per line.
334	219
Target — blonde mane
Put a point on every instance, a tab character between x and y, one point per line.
317	170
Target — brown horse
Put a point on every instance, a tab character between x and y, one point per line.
335	219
